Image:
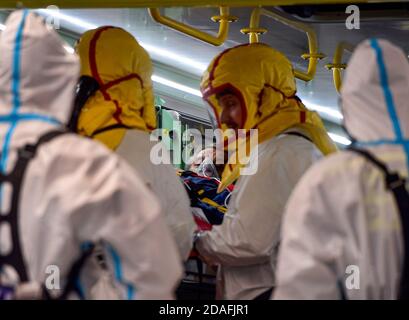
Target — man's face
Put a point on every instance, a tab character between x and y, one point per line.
205	153
232	115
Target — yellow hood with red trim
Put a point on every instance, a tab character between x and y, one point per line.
263	80
123	70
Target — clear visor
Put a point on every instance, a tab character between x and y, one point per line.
211	97
214	118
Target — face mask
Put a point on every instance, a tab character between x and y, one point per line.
208	169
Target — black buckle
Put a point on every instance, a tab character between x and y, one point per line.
394	181
27	152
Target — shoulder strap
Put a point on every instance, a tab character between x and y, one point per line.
15	257
396	184
30	150
73	276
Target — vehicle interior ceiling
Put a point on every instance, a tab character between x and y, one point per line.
179	60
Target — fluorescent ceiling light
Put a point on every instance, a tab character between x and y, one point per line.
58	15
339	139
69	49
173	56
176	85
150	48
2	27
325	110
336	137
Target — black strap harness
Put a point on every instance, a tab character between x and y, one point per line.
396	184
15	258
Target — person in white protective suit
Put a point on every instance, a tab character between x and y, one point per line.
118	110
74	192
260	94
342	231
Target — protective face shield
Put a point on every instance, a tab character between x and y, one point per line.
212	116
212	95
208	169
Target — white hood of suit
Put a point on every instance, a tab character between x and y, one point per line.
37	74
375	94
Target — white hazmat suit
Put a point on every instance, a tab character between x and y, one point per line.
75	191
342	234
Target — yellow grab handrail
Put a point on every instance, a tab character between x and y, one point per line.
337	66
254	30
224	19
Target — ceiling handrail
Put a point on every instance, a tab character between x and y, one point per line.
337	66
224	20
313	55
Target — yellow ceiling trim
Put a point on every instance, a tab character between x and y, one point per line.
166	3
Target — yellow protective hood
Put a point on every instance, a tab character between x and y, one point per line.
123	70
263	80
